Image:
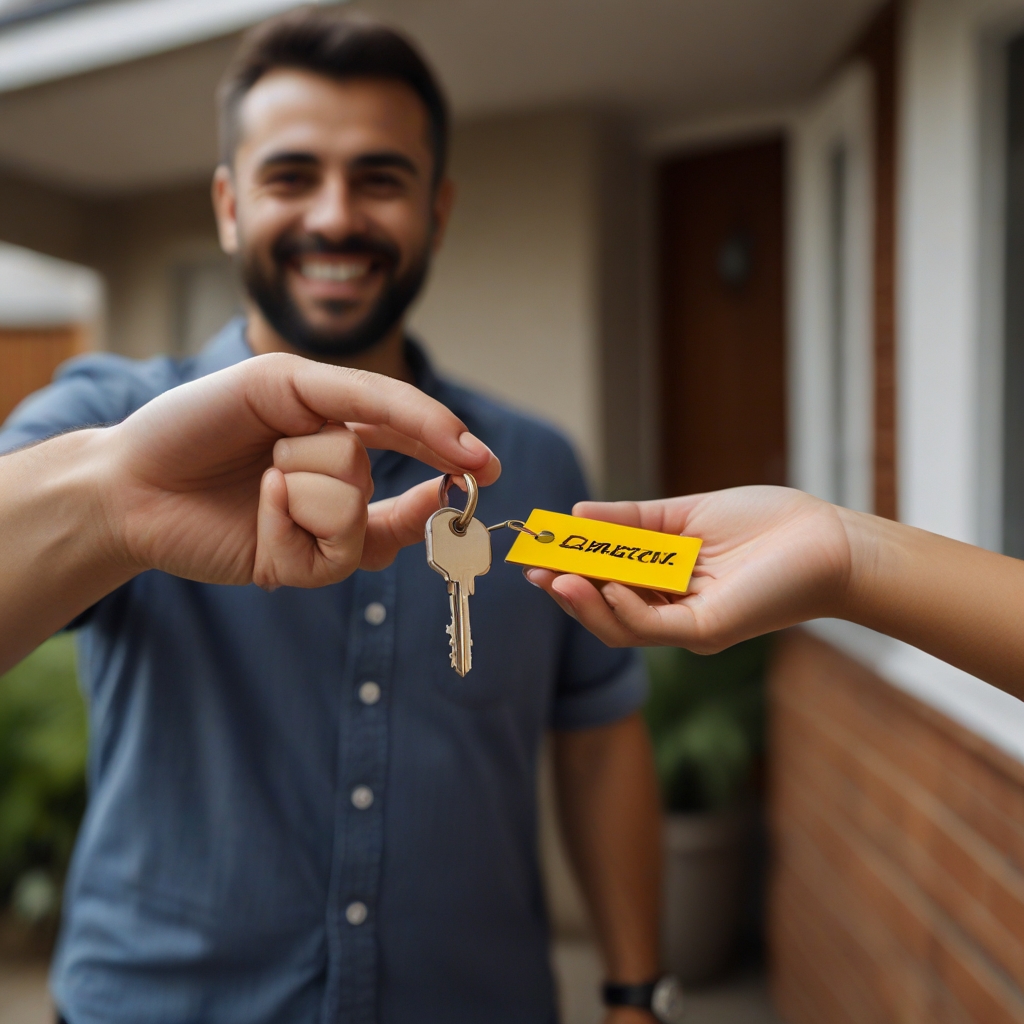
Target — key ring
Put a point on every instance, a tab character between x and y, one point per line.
544	537
460	524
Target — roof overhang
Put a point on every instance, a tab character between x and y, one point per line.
117	96
86	37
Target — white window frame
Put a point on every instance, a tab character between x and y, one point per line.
832	449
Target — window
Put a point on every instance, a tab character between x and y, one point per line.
831	358
1013	367
206	298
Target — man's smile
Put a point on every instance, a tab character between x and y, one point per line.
326	268
336	277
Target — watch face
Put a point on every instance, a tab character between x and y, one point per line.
667	1001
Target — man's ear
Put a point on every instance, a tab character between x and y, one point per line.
444	200
224	209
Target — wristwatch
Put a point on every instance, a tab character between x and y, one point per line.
662	997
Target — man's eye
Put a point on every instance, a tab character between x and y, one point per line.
381	181
289	179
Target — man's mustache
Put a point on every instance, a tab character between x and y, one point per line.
290	248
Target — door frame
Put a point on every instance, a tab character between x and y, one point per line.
831	350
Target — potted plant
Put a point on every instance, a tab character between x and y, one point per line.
706	717
42	792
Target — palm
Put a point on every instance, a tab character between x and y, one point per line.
770	556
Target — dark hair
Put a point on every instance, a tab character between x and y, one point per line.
336	46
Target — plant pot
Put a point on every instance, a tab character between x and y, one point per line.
707	860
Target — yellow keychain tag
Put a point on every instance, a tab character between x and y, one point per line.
606	551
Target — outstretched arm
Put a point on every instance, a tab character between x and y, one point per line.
773	557
257	473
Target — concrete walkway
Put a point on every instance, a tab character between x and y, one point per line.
23	995
739	1000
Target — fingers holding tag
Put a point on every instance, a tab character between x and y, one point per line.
606	551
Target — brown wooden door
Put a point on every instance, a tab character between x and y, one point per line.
723	318
28	357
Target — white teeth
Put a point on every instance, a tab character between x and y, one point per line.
322	270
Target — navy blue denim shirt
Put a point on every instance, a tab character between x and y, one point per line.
298	811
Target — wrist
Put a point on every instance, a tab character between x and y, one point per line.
114	502
78	481
658	998
869	545
629	1015
67	556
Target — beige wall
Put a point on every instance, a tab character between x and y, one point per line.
138	243
511	304
42	218
546	206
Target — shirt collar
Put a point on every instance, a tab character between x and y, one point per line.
423	374
227	347
230	346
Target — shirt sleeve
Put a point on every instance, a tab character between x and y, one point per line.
597	685
88	391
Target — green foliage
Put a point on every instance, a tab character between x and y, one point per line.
42	766
706	716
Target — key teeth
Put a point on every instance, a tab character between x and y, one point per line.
454	647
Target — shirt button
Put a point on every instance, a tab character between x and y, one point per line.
356	913
369	693
375	613
362	797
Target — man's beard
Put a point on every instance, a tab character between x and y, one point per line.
270	293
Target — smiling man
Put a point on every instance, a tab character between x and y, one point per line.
298	811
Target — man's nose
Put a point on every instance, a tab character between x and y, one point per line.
334	213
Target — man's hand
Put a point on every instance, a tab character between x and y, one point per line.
771	557
256	473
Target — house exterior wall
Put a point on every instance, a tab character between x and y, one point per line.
545	217
42	218
898	836
534	297
897	790
138	243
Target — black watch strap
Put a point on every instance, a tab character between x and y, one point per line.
639	996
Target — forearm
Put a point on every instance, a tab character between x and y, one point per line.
611	818
57	555
958	602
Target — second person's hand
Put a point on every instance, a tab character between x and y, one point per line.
771	557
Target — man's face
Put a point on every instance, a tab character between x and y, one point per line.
330	208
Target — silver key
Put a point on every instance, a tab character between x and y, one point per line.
459	558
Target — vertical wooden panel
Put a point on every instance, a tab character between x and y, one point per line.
723	317
28	358
897	889
878	46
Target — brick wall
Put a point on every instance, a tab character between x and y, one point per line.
897	889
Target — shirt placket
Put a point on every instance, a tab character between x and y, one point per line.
352	938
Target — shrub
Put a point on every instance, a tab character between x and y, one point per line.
706	716
42	775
